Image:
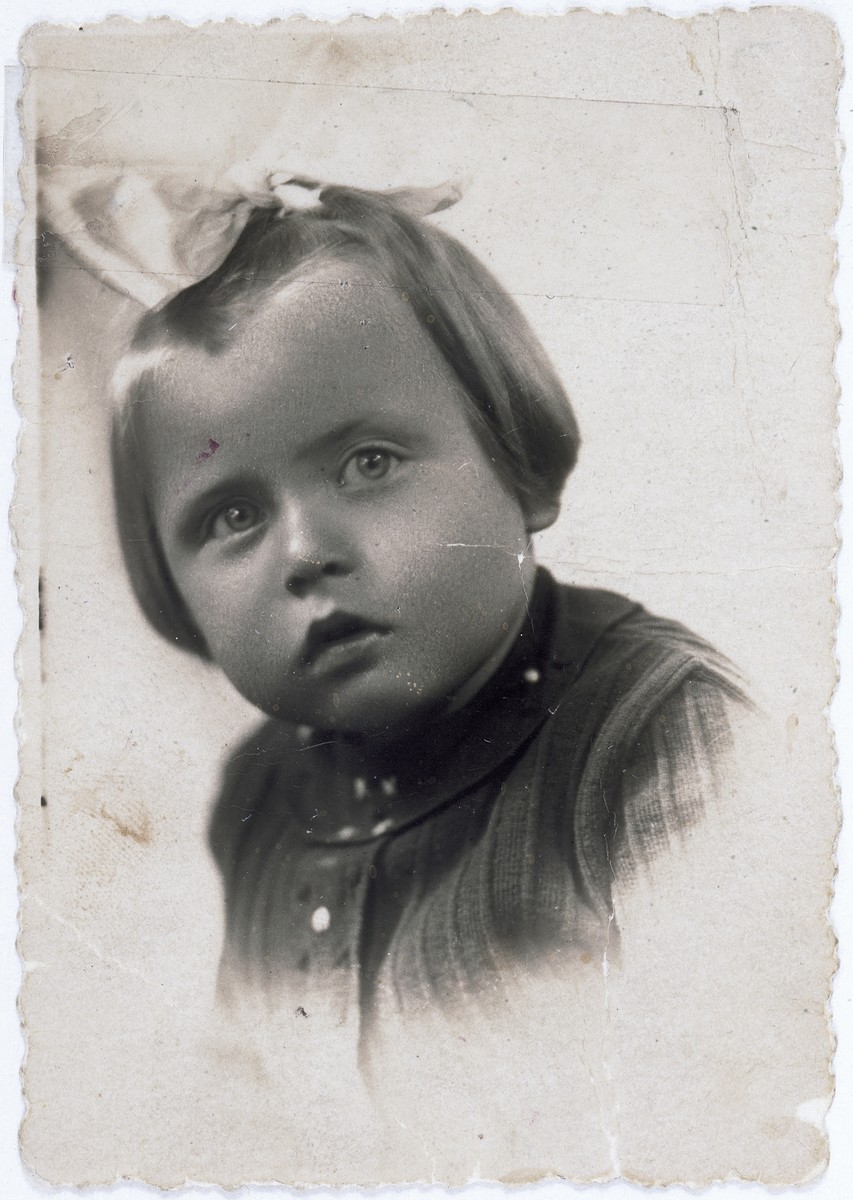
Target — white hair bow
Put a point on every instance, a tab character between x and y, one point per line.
150	235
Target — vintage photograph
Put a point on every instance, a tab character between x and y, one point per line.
427	501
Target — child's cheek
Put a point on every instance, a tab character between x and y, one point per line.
461	547
229	602
460	498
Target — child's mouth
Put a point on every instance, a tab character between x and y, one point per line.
337	638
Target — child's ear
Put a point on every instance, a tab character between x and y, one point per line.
539	516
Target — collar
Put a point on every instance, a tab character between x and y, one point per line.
358	790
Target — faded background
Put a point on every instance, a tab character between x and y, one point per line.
673	257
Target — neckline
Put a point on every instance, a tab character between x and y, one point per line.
357	790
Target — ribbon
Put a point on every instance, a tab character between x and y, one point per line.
148	235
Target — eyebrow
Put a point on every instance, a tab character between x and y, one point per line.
359	426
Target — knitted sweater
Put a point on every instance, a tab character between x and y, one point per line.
426	869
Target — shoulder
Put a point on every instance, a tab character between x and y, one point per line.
622	665
625	662
249	786
649	726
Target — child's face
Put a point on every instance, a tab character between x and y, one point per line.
333	524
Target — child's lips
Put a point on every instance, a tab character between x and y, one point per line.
339	637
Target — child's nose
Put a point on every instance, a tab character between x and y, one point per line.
311	548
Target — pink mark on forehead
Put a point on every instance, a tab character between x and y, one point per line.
202	456
212	447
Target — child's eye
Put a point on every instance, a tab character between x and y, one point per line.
237	517
368	465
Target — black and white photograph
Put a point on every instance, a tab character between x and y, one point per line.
426	525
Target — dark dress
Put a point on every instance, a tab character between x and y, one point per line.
490	839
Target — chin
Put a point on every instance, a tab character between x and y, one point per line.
371	714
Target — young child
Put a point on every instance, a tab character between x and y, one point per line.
330	457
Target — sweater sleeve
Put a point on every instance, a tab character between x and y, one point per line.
659	729
675	772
